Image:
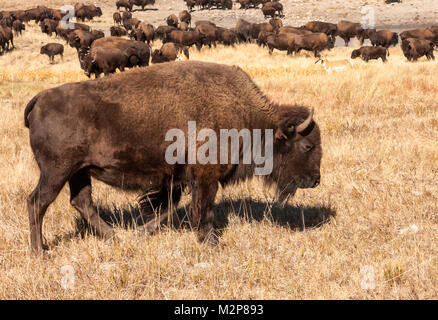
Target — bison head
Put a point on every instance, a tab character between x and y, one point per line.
297	151
355	54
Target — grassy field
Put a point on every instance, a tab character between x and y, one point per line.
376	206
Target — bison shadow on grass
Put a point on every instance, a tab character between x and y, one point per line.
288	216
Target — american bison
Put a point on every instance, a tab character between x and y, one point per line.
315	42
370	52
328	28
117	18
170	52
114	130
416	48
384	38
172	21
421	33
53	49
18	27
347	30
118	31
124	4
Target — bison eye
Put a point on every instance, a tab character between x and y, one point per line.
307	147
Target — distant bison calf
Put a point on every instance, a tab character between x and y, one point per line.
369	52
53	49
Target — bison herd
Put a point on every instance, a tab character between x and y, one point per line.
179	34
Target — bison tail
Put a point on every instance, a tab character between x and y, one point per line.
29	109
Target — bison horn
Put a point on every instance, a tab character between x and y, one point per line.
303	126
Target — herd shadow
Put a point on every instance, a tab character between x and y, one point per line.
292	217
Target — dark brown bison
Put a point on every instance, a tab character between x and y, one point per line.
263	38
328	28
117	18
208	33
18	27
190	4
416	48
139	52
124	4
170	52
348	30
315	42
421	33
243	30
6	39
142	3
276	23
53	49
227	37
370	52
257	27
145	32
277	6
49	26
384	38
118	31
115	131
293	30
185	38
105	60
172	21
162	32
185	16
80	39
88	12
282	42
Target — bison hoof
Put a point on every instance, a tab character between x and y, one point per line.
208	236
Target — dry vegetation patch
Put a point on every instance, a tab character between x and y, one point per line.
379	171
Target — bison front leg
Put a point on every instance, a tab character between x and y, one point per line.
201	210
80	199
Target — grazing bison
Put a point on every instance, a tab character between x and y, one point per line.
162	32
276	23
315	42
53	49
276	6
142	3
348	30
117	18
329	29
421	33
208	33
145	32
282	42
18	27
124	4
118	31
369	52
172	21
170	52
88	12
6	39
416	48
114	130
243	30
49	26
185	16
105	60
139	51
185	38
258	27
384	38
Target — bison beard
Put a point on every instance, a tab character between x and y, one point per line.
113	129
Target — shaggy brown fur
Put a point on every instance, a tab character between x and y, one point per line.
114	130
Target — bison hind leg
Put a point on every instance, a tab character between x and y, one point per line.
48	188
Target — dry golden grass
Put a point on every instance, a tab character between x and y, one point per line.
379	126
